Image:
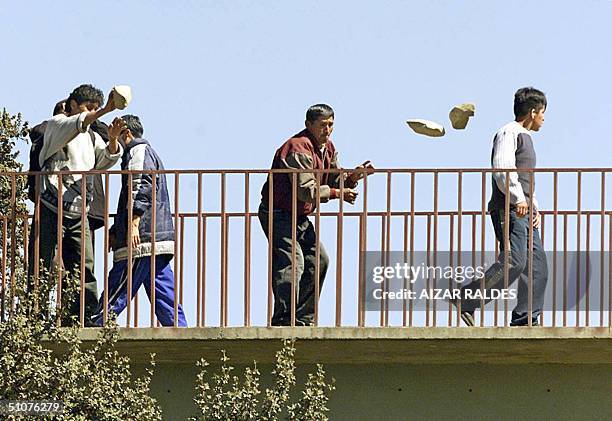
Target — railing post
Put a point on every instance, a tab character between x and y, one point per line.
339	259
578	243
435	245
84	228
247	253
554	265
199	255
459	232
293	245
317	285
106	248
153	267
602	222
177	255
483	220
59	253
130	263
270	242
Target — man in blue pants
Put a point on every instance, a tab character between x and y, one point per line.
139	156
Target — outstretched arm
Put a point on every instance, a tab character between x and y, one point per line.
92	116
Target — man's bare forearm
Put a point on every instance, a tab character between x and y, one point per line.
94	115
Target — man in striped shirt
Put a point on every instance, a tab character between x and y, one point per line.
513	148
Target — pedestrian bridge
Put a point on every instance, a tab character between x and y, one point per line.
392	358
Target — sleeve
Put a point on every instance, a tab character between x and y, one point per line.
101	128
334	178
38	132
60	130
504	150
306	181
536	205
142	183
105	159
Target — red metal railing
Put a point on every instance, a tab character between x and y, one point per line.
434	210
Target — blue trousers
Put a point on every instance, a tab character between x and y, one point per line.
141	275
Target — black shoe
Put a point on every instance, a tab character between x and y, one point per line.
90	323
468	318
533	323
521	319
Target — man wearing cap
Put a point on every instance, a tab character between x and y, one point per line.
513	148
70	145
311	149
139	156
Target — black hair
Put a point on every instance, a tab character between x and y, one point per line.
85	93
527	99
60	107
133	124
317	111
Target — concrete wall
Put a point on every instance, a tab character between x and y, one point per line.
434	392
402	373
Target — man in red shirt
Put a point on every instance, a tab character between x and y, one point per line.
310	149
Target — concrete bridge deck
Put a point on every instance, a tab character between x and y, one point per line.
353	345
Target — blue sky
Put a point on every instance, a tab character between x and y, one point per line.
221	84
209	73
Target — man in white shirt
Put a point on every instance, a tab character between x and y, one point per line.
513	148
70	145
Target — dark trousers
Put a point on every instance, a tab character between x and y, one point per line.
305	251
71	255
518	268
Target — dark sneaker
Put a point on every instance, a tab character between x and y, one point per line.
468	318
534	322
90	323
522	319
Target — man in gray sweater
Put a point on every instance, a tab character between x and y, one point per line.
513	148
70	145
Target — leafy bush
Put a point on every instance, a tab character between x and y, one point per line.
227	397
96	383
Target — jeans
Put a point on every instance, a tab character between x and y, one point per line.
518	268
305	251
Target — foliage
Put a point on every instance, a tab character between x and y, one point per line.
93	383
96	383
226	397
12	199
